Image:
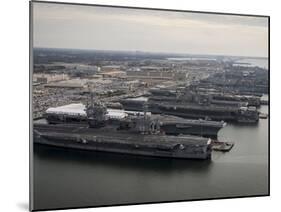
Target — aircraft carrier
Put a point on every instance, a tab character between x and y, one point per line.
142	136
217	97
171	125
194	105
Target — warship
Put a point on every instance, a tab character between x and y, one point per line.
141	136
171	125
194	105
213	98
223	97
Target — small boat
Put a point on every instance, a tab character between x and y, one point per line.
222	146
263	115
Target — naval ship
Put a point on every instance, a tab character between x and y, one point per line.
217	97
171	125
141	136
194	105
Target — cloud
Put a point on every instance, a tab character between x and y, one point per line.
75	26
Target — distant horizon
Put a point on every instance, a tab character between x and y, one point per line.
90	27
152	52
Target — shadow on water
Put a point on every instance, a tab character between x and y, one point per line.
23	206
120	161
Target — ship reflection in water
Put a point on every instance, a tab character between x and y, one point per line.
73	178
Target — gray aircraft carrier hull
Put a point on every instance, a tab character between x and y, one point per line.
184	147
189	111
171	125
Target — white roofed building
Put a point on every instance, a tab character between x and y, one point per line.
78	110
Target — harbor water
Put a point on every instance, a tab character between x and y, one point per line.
72	178
261	62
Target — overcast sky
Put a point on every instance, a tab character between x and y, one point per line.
105	28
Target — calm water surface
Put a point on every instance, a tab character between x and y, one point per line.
261	62
70	178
